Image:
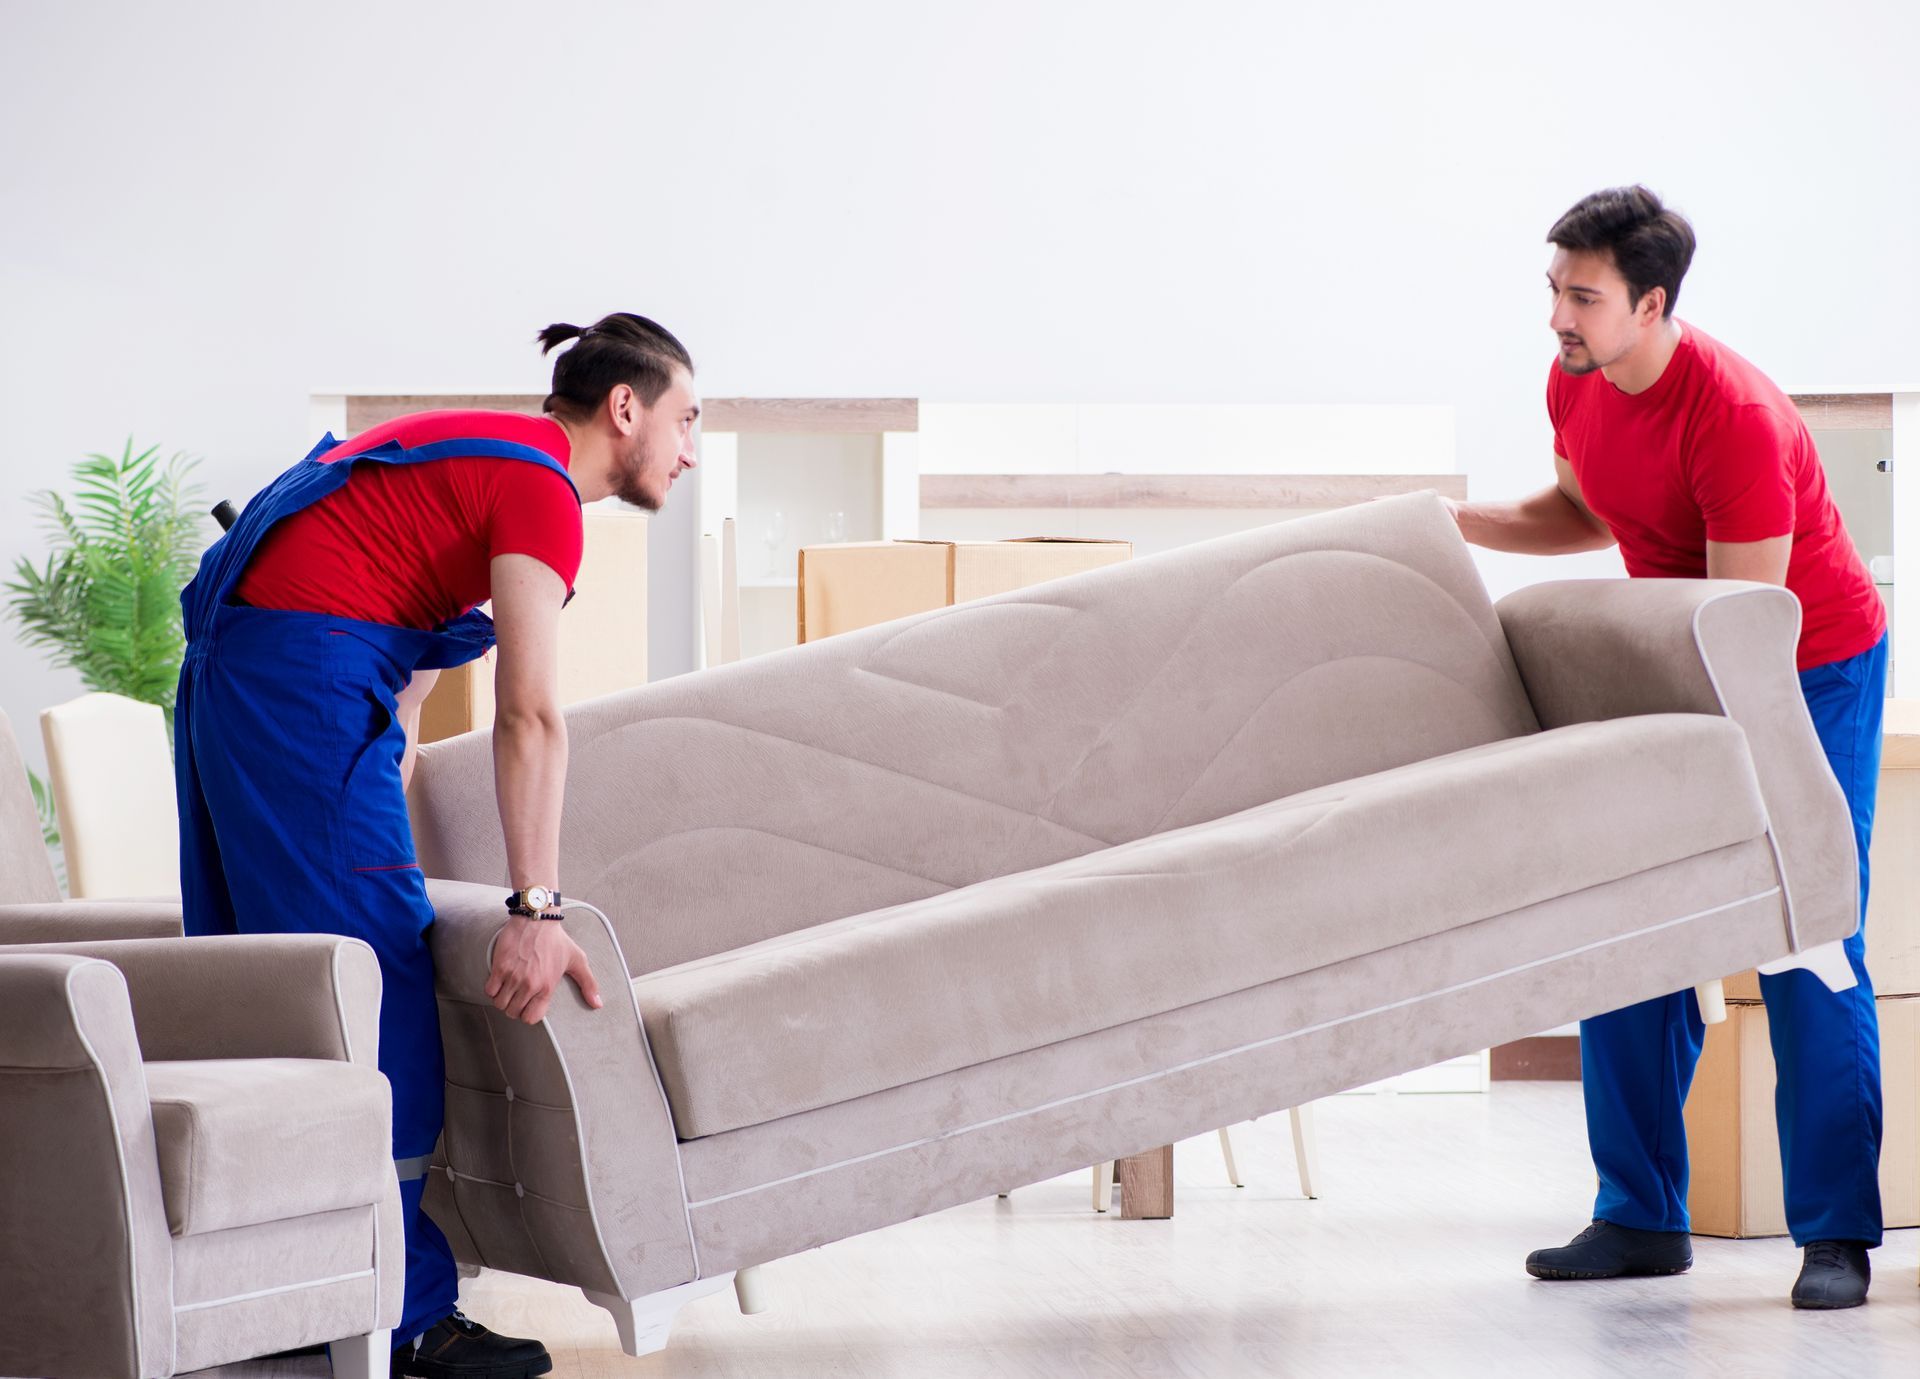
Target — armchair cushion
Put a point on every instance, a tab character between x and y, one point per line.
246	1140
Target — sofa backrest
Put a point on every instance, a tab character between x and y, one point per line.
714	810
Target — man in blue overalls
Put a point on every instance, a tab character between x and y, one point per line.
1687	456
315	629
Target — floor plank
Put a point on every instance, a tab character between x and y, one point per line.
1409	1264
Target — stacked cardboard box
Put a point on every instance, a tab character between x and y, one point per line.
603	632
857	584
1732	1139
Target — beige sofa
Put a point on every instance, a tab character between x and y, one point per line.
983	896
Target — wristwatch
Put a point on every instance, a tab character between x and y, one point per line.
534	902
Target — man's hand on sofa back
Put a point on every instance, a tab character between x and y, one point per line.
530	959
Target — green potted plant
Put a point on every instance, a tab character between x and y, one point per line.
106	601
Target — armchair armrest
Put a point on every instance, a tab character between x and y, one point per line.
247	995
85	1259
619	1145
1598	649
61	921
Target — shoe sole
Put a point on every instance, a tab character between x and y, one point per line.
532	1371
1821	1305
1552	1275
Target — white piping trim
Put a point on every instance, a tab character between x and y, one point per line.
666	1107
126	1185
373	1321
346	1044
580	1131
276	1292
1234	1052
340	1003
1713	681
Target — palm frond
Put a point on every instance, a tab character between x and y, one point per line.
106	602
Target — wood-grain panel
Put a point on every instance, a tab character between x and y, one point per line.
1846	411
783	415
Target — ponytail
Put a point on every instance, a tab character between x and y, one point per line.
616	349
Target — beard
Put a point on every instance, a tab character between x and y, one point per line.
1586	364
634	463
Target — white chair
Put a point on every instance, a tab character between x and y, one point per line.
720	596
112	774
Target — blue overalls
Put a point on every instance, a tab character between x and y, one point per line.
1637	1063
293	818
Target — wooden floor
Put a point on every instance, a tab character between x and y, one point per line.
1409	1265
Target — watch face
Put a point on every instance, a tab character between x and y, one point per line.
538	897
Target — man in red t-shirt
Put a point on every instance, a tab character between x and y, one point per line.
316	628
1672	446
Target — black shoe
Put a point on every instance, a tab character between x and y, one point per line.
1834	1274
1604	1250
456	1348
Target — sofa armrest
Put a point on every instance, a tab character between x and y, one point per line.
247	995
620	1138
79	921
86	1263
1597	649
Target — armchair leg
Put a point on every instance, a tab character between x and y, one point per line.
1305	1150
362	1357
645	1322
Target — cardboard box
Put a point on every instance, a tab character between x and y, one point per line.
857	584
1734	1144
603	632
1893	899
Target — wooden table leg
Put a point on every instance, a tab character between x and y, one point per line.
1146	1185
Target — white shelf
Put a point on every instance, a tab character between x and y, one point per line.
747	584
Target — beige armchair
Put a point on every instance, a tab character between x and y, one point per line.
195	1158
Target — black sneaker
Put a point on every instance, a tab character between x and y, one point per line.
456	1348
1834	1274
1604	1250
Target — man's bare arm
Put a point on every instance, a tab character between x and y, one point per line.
529	777
1554	521
409	700
1764	562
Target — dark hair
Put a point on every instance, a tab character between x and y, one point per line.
616	349
1650	245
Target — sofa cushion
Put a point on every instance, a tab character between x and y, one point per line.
879	1000
246	1140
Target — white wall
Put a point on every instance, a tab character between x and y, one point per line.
209	211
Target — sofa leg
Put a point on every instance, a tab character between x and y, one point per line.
1102	1186
645	1322
1828	962
362	1357
1305	1150
750	1287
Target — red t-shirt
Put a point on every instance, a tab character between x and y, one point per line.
1713	451
410	545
